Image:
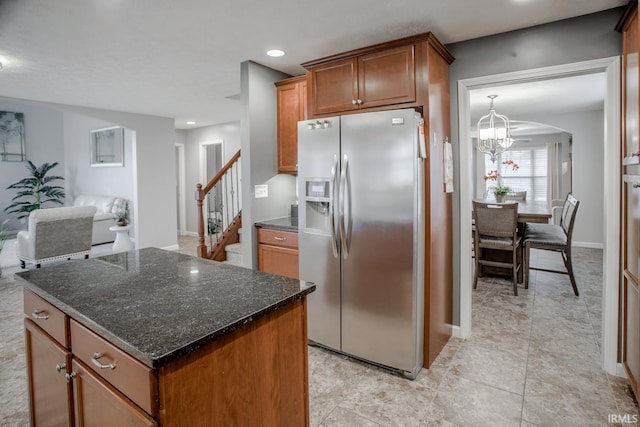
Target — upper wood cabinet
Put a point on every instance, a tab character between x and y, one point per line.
388	75
291	108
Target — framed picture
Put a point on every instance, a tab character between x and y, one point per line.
107	147
12	143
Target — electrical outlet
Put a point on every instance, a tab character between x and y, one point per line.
261	191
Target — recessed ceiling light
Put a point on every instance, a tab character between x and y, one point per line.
275	52
191	123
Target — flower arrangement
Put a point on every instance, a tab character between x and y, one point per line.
500	190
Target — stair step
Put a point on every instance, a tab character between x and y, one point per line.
234	248
234	258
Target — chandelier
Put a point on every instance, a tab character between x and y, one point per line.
493	132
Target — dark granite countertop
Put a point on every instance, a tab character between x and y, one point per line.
285	223
158	305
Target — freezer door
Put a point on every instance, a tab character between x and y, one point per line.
381	308
319	262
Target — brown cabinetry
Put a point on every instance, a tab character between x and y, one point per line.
278	252
291	108
49	392
95	383
64	391
388	75
630	308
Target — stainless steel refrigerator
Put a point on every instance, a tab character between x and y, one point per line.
361	195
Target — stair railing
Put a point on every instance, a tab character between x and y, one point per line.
221	196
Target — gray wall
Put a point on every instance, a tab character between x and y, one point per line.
44	134
259	150
587	128
81	178
152	161
562	42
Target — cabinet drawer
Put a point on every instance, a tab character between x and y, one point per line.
130	377
53	321
287	239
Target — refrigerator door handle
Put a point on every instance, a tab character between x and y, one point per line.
343	182
334	238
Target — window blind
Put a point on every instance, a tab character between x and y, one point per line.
530	177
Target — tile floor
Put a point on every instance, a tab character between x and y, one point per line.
533	360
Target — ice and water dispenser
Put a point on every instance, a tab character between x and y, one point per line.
318	204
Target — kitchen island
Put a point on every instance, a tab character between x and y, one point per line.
152	337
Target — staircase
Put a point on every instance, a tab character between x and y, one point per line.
234	251
219	207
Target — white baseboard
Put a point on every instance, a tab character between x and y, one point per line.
590	245
620	371
171	248
455	331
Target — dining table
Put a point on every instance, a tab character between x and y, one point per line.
528	211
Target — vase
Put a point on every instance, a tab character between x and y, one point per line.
501	197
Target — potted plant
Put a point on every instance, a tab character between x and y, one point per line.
122	215
500	190
35	191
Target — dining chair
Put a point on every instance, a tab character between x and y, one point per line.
520	196
551	237
556	210
496	229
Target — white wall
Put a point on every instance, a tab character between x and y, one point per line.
153	178
587	129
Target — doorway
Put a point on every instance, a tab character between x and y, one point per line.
611	180
180	190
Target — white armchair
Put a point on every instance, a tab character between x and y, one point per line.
56	233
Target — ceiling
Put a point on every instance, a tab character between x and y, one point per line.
536	98
181	59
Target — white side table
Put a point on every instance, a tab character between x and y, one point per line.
122	243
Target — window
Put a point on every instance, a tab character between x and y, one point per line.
530	177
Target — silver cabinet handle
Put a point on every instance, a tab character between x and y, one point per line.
70	376
334	238
354	101
359	101
60	367
38	314
96	361
636	185
343	184
281	239
635	154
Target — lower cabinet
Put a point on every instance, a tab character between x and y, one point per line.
91	382
63	391
278	252
631	329
99	404
47	366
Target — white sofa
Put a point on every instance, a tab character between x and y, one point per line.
106	209
55	233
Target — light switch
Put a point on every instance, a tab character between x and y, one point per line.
261	191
